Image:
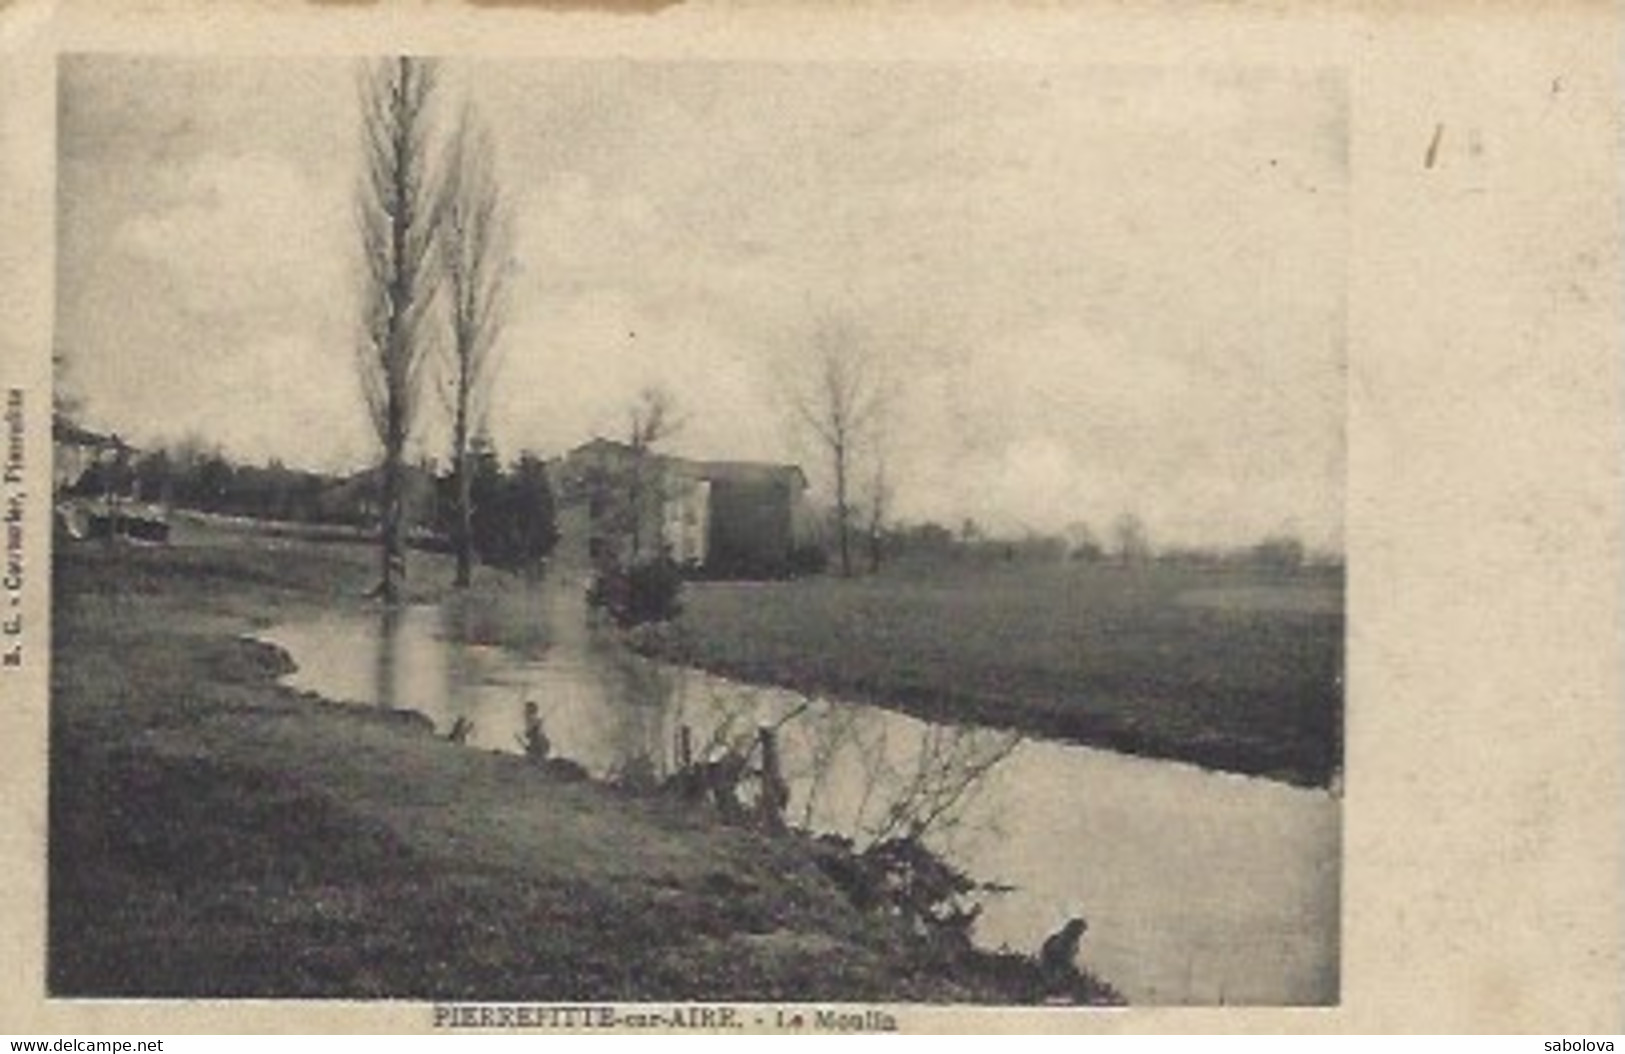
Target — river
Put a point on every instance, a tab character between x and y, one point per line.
1199	887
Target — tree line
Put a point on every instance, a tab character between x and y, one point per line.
512	519
1127	543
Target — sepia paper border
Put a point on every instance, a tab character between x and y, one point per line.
1483	856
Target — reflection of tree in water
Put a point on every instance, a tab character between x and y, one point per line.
457	622
859	771
836	729
641	696
912	779
893	792
655	702
384	673
724	747
734	713
949	769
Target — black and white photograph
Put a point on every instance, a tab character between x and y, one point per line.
643	530
645	516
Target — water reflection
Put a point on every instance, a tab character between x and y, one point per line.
388	668
861	771
1199	887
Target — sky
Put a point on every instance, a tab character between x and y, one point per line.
1093	290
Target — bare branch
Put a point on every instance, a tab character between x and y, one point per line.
841	400
654	417
472	250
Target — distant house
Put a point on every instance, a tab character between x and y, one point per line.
75	451
758	515
731	519
95	492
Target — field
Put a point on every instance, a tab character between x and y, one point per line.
1226	668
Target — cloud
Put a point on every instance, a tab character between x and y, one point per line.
243	234
573	367
1102	289
305	393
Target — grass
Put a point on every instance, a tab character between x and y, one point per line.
213	834
1228	669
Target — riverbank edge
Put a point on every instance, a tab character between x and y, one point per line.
224	660
676	644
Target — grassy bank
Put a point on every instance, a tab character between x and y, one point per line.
1226	669
215	834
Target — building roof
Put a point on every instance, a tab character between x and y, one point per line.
757	472
66	432
599	443
750	472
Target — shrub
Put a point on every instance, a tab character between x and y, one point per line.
1279	554
808	560
654	592
644	593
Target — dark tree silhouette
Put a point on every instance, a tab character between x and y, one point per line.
474	245
840	398
398	211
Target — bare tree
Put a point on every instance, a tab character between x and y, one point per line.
653	419
840	401
1132	541
1081	541
877	507
475	240
398	212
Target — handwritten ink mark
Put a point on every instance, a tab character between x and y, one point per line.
1432	155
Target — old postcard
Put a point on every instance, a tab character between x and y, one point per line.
791	521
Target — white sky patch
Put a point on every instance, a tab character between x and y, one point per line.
1040	477
239	236
291	404
1096	289
277	369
